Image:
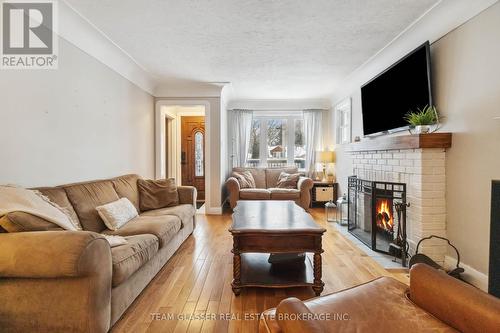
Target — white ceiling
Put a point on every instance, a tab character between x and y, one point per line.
266	49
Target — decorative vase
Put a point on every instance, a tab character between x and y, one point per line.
422	129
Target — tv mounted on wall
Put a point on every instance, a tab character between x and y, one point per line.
401	88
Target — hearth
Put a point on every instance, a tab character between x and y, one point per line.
377	215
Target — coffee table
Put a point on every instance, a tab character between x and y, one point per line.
263	227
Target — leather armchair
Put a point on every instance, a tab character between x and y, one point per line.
434	302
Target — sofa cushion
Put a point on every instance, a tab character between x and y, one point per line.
259	175
129	257
164	227
85	197
58	196
20	222
126	187
255	194
185	212
284	193
155	194
272	175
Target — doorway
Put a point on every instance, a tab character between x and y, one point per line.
173	154
193	154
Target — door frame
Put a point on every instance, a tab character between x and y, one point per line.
161	114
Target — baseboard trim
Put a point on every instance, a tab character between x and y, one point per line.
471	275
213	210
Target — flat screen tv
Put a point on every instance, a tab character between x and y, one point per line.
403	87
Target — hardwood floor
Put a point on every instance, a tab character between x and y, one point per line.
194	286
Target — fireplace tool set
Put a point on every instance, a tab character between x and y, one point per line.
399	248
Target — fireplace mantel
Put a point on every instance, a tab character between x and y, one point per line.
415	141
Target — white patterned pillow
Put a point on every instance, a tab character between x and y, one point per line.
117	213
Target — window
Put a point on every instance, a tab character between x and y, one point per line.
343	127
277	142
198	155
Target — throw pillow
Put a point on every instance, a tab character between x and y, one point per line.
245	179
155	194
117	213
20	222
288	180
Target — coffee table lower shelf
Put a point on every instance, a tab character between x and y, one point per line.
256	271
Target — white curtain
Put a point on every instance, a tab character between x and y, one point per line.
313	137
241	126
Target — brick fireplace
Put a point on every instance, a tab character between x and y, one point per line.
419	162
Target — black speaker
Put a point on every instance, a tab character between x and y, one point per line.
494	275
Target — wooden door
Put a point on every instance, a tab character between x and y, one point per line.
193	153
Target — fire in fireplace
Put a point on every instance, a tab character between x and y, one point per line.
384	217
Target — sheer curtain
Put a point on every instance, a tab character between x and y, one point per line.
313	137
241	126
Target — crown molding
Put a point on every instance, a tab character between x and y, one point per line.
280	104
189	89
79	31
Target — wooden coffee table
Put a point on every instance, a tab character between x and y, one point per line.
263	227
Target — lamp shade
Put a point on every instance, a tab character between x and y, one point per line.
324	156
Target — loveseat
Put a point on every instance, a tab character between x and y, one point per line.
72	281
266	180
434	302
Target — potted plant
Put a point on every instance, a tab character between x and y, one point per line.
423	119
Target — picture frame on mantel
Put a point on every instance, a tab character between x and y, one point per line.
343	121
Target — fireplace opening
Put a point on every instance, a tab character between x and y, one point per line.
375	216
384	218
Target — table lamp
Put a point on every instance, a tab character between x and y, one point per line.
324	157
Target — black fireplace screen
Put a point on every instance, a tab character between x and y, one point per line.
375	216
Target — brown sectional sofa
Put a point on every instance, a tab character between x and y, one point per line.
72	281
435	302
265	187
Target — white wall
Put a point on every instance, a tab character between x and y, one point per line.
80	122
466	68
466	75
